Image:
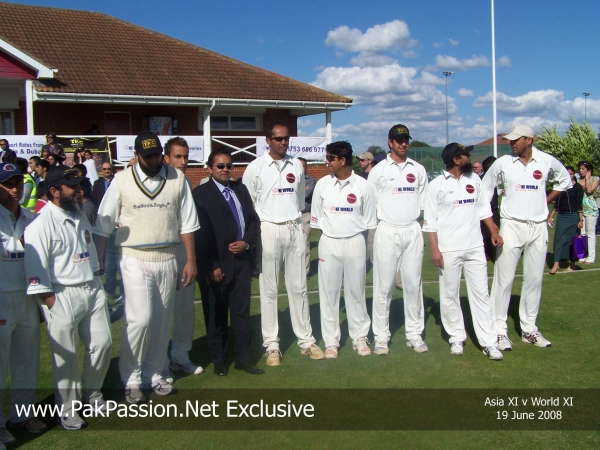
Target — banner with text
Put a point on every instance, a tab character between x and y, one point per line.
125	146
311	148
25	146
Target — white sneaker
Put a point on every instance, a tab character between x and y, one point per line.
418	344
161	387
381	348
362	347
168	376
493	353
504	343
331	352
71	422
133	394
456	348
536	338
188	367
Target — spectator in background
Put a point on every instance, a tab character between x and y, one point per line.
478	168
78	156
488	246
590	209
29	198
44	154
102	184
309	186
53	160
40	167
42	197
365	160
570	218
88	208
6	154
52	147
90	163
80	169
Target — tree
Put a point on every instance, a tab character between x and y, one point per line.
419	144
376	150
579	143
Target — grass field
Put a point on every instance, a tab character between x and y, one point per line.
568	317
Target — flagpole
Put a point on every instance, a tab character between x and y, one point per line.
495	137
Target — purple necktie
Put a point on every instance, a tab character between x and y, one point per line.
231	203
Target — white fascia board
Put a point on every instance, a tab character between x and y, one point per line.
187	101
43	71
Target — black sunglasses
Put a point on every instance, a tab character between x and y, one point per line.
221	166
331	157
281	138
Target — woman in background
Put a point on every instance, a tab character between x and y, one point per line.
570	219
590	209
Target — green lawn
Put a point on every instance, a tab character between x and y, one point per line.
568	317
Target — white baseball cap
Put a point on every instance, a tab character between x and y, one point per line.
519	131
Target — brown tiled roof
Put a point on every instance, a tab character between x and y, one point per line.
490	141
99	54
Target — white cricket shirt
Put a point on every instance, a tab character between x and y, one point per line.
276	188
524	186
12	252
399	190
453	209
342	209
59	250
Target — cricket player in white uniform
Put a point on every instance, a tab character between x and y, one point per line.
523	176
343	208
276	184
153	205
177	153
453	211
19	318
399	184
62	269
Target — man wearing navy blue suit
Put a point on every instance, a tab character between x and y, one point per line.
229	231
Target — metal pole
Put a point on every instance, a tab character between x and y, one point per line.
447	74
328	135
495	136
29	106
585	96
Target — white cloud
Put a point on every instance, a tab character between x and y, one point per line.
504	61
304	122
462	92
453	42
444	62
548	101
437	45
409	54
366	59
387	36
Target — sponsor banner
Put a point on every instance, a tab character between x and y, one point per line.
310	148
98	146
125	146
25	146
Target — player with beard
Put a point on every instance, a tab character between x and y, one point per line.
453	209
62	269
153	206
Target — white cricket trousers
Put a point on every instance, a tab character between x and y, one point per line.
19	351
589	230
398	249
80	311
343	260
284	244
531	239
306	230
150	293
184	313
474	265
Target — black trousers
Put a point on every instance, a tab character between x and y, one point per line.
217	299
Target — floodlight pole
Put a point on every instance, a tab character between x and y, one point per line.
447	74
585	96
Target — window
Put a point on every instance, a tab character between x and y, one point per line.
236	123
6	123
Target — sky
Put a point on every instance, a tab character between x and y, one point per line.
389	57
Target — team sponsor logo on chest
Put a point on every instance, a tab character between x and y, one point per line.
290	178
463	202
13	257
537	174
282	191
351	199
80	257
527	187
410	178
469	188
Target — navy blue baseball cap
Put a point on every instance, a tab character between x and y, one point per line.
9	170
